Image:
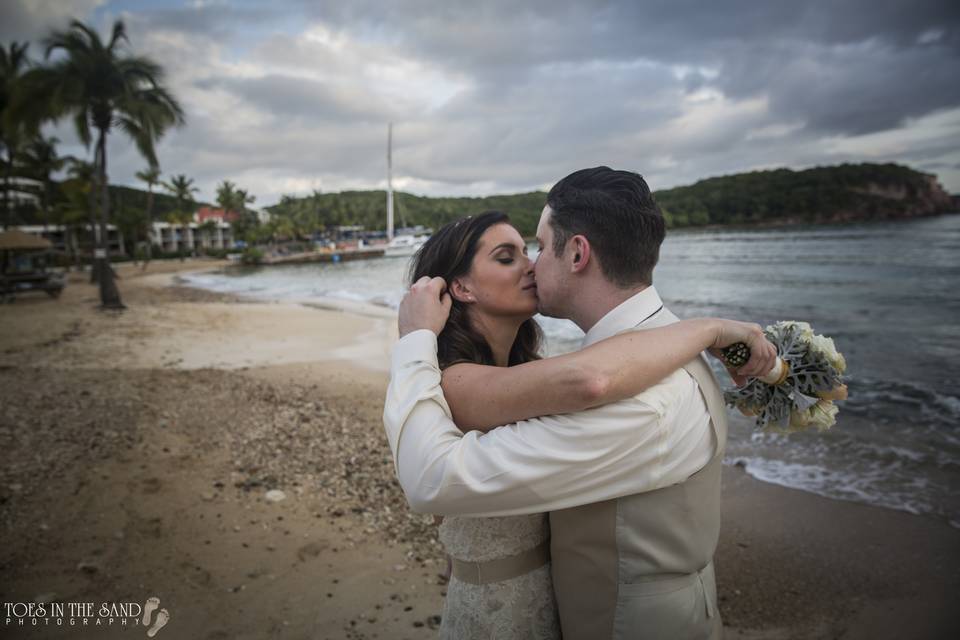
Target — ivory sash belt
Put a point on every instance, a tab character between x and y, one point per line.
501	568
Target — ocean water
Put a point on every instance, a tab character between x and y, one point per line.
888	293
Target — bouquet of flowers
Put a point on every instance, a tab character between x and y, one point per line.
799	391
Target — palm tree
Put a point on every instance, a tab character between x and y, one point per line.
208	229
248	218
243	199
150	175
40	162
226	195
71	209
86	174
102	87
182	189
236	200
13	63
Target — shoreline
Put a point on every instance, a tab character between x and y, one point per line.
138	448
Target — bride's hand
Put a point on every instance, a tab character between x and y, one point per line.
426	306
763	353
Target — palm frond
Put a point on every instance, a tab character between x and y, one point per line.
92	37
135	68
81	123
70	41
119	33
12	61
142	137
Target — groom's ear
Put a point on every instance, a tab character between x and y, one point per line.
460	291
580	249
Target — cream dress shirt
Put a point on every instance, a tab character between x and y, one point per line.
655	439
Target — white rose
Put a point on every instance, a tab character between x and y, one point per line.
799	420
806	331
823	415
825	347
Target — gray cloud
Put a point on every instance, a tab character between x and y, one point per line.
283	98
502	96
850	67
25	20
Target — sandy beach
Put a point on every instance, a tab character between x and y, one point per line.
142	452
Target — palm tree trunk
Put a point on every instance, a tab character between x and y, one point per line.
94	233
46	202
149	226
8	171
109	294
75	246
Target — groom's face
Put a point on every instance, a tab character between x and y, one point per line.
548	270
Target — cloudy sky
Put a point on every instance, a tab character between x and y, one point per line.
492	96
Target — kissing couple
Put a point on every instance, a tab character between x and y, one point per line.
580	493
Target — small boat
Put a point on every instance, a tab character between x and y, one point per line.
405	245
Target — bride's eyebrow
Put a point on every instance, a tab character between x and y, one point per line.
503	245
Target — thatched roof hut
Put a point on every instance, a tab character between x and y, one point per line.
14	240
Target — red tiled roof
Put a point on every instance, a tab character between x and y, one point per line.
209	213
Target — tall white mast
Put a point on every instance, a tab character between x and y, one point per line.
389	182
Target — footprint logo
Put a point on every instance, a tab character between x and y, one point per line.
148	608
163	616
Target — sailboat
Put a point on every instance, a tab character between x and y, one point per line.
406	244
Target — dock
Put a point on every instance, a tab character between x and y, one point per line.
339	255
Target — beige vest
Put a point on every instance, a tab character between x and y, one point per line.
641	566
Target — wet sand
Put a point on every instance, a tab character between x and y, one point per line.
137	451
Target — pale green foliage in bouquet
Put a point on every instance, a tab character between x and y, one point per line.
804	399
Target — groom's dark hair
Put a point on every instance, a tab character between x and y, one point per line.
617	213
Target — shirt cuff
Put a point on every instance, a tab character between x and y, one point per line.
416	346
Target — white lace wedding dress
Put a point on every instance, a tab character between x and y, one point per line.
523	607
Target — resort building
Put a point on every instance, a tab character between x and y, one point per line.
212	233
71	239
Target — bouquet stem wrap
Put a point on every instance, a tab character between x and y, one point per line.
777	375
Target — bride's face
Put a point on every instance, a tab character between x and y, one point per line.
500	282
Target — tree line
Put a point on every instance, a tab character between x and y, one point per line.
858	191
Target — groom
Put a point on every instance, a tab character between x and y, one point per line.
633	529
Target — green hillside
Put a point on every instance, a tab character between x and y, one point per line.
823	194
782	196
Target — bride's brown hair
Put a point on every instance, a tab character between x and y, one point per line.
448	254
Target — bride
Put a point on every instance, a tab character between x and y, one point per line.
492	374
